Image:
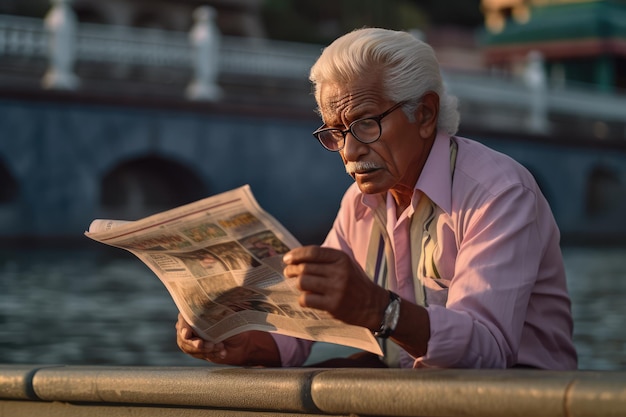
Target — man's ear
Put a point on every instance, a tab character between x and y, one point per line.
427	114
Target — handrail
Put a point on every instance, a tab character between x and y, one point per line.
302	391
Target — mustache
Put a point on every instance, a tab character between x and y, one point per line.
353	167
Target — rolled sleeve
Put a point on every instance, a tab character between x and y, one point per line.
293	351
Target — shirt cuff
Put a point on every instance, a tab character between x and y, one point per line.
293	351
450	334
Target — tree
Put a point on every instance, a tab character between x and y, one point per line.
321	21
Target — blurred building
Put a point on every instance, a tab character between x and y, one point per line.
580	41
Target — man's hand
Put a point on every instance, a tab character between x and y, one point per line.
244	349
331	281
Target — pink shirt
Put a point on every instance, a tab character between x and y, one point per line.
498	252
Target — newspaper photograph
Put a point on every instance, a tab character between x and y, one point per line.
220	258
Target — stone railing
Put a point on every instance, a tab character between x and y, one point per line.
194	391
201	55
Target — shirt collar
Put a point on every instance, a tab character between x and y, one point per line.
435	180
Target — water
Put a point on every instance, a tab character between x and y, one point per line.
103	306
597	285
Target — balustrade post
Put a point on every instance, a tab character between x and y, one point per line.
205	44
536	81
61	24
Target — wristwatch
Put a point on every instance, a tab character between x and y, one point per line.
390	317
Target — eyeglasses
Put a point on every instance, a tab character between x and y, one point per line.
366	130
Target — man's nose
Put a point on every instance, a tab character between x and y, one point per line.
352	147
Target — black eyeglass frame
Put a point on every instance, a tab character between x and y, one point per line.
344	133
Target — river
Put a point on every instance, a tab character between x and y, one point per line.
104	307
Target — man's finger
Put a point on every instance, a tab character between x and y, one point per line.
313	283
311	253
312	300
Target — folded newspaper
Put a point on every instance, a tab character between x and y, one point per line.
220	258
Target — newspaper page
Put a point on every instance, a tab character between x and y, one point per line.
220	258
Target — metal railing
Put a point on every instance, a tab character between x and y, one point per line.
190	391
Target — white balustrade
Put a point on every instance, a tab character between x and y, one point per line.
536	80
132	46
22	36
61	24
74	42
205	42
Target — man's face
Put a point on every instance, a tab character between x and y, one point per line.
394	162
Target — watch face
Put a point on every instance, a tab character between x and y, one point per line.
390	317
395	314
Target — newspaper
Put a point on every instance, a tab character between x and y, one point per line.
220	258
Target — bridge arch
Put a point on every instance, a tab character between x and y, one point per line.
10	207
603	191
9	186
141	186
541	182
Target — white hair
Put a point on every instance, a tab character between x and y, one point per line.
408	68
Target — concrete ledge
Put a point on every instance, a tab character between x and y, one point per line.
16	381
60	409
485	393
433	392
598	394
236	388
75	390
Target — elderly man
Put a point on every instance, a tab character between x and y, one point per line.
444	248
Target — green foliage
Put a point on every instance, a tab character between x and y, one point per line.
453	12
321	21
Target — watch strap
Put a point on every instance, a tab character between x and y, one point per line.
390	317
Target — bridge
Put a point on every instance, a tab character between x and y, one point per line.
129	137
